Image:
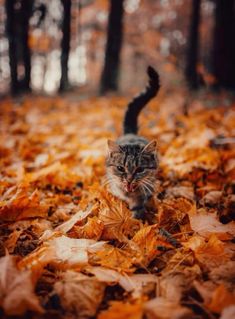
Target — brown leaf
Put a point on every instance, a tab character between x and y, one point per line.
91	230
80	295
221	299
115	258
147	241
172	214
22	205
16	289
212	198
228	313
206	224
62	250
180	191
137	284
115	217
211	253
160	308
69	224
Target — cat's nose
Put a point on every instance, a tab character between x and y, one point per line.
129	178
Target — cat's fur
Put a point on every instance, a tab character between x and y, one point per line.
132	160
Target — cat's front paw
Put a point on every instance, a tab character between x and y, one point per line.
138	212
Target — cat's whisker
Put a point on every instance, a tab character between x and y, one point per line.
108	180
148	180
148	186
145	189
148	183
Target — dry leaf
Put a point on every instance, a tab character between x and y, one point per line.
123	310
160	308
80	295
147	240
228	313
63	251
211	253
91	230
206	224
16	289
137	284
22	205
115	258
80	215
221	298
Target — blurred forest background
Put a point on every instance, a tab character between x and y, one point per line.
101	45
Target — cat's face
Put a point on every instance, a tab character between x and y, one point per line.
132	167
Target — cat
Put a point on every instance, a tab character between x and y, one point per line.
132	161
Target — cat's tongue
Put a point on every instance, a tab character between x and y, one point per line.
130	187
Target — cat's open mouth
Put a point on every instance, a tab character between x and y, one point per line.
130	187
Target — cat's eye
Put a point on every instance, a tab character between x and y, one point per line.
139	170
121	169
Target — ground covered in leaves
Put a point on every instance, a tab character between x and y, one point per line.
69	249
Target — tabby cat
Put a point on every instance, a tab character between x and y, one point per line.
132	161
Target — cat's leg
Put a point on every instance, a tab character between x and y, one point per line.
139	212
137	207
140	206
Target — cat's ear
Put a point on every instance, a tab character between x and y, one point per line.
151	147
113	147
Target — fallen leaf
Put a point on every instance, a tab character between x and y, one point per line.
180	191
64	251
123	310
16	289
115	217
68	225
22	205
91	230
206	224
148	240
211	253
80	295
115	258
212	198
228	313
221	298
137	284
160	308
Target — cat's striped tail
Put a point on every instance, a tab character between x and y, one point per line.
130	124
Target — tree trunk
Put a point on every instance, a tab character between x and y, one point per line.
11	34
65	44
193	43
223	55
25	14
109	78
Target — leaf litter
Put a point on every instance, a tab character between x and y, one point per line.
70	249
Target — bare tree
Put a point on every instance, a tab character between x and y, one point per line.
25	14
65	44
191	73
223	54
11	34
17	29
109	78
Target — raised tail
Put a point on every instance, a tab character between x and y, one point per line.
130	124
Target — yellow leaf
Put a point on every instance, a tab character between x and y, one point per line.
123	310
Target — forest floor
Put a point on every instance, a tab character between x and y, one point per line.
69	249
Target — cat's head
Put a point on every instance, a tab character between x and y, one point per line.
132	167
